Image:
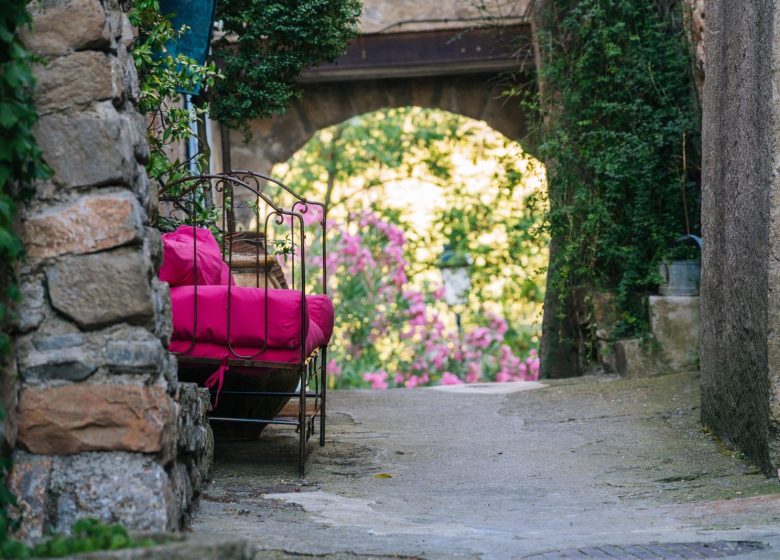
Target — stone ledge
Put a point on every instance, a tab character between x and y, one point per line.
202	547
635	357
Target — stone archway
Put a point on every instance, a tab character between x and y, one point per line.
325	104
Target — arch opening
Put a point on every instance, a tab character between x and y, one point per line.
401	184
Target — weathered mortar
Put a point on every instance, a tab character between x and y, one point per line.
105	430
740	306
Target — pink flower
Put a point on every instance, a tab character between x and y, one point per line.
449	378
333	368
503	376
474	373
377	379
412	382
498	324
311	213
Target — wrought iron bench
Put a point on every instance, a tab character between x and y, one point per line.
253	345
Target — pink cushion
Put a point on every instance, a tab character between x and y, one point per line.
314	339
180	264
247	323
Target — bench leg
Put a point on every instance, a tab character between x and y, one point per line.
302	424
324	391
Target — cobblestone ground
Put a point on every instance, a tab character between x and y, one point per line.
587	468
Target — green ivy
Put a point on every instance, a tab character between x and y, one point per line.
621	140
20	159
21	165
267	44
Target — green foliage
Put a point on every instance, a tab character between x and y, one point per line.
267	44
161	79
20	158
8	522
621	140
20	165
88	535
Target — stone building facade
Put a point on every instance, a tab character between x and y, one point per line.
99	424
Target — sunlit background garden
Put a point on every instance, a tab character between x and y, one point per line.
401	184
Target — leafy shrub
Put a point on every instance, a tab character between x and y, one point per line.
267	44
88	535
621	139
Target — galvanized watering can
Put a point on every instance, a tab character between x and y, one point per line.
681	278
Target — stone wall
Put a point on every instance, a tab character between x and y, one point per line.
104	430
392	16
740	299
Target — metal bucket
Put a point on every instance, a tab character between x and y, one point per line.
681	278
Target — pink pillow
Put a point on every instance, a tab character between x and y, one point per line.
321	313
179	262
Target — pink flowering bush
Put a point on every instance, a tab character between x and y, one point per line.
391	334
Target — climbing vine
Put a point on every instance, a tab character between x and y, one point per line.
267	44
20	165
162	78
621	140
20	159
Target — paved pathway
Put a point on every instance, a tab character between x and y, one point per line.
578	464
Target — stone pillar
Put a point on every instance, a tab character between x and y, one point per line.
740	289
99	408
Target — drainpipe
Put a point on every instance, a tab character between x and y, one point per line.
192	141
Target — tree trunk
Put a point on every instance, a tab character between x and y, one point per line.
558	347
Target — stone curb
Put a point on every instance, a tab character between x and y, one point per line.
202	547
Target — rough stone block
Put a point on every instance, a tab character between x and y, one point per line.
69	419
125	488
676	325
88	149
63	26
55	354
90	224
104	288
183	493
194	426
29	313
635	357
135	356
163	327
76	80
69	366
29	481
